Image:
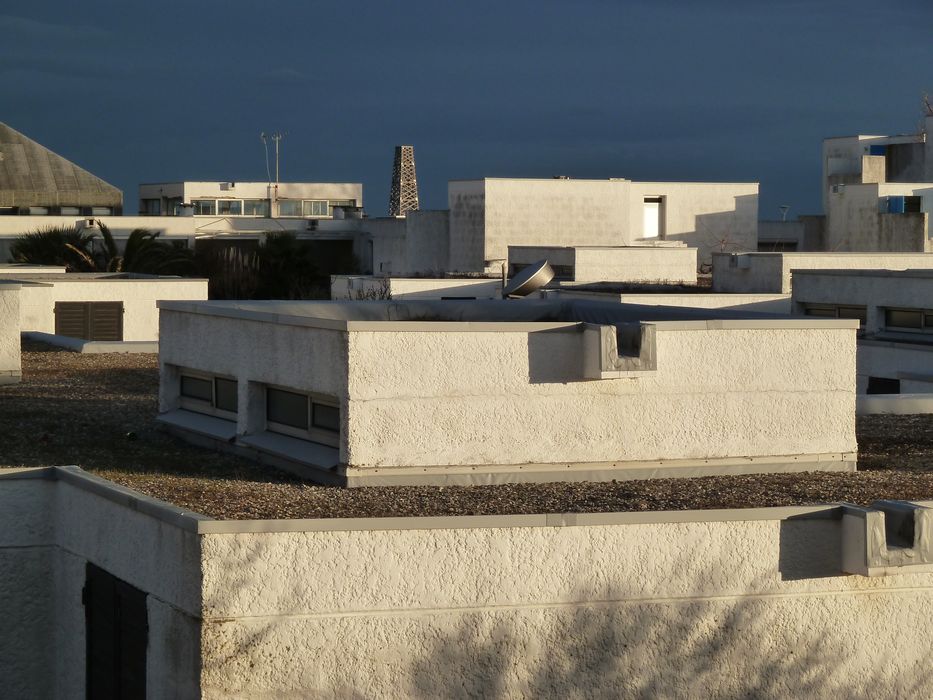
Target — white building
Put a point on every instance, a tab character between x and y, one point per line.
489	215
878	192
298	200
895	312
106	589
770	273
492	391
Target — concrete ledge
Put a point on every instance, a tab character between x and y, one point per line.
208	426
897	404
467	475
94	346
890	537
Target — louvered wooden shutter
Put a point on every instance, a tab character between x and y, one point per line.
89	320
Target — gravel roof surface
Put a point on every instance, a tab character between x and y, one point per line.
97	411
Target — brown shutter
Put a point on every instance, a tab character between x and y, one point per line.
89	320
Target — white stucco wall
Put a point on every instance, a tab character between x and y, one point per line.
674	264
771	272
516	398
878	355
769	303
709	216
365	287
139	297
853	222
51	529
735	603
10	360
427	242
744	607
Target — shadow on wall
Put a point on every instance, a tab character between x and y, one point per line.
690	635
724	232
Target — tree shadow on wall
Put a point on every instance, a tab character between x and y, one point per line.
736	648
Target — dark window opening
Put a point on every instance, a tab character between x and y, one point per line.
883	385
116	636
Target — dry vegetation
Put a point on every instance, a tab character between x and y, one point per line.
97	411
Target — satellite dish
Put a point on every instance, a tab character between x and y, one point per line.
528	280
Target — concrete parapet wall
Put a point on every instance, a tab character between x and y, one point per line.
767	303
749	273
673	264
139	297
739	603
366	287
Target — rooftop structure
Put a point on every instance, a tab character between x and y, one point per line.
493	391
770	273
310	200
895	313
34	180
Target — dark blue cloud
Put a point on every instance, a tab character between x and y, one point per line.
666	89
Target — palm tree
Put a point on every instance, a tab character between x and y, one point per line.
84	251
56	245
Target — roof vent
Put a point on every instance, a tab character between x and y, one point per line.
528	280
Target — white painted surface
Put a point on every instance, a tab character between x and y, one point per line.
904	356
719	603
10	360
452	395
139	297
768	303
771	272
713	609
366	287
674	264
487	216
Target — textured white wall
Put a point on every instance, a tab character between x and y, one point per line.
771	272
358	287
710	216
725	609
464	398
768	303
139	297
10	359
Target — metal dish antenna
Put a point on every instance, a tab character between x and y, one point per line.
528	280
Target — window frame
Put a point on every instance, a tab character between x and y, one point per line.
197	202
311	432
238	202
209	408
926	326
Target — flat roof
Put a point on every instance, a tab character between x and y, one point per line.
241	182
512	315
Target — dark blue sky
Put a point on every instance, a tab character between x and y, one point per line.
728	90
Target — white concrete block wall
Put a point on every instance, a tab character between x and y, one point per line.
10	358
771	272
139	297
745	608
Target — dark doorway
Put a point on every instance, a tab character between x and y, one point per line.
116	633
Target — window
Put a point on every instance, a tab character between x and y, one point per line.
309	417
151	207
232	207
205	207
908	319
71	211
653	219
339	203
883	385
315	207
203	393
832	311
38	211
256	207
116	634
288	207
101	211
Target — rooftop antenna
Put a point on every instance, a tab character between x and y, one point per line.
275	136
784	209
265	145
